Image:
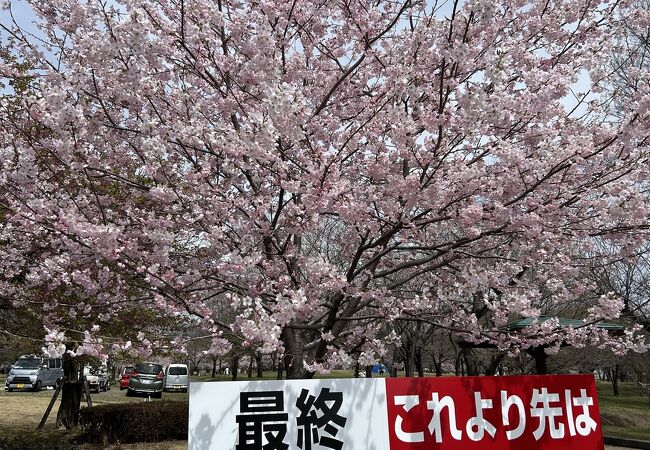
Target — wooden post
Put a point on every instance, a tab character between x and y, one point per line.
49	407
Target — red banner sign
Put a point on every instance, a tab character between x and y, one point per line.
521	412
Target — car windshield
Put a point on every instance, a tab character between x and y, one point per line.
150	369
128	370
177	371
27	363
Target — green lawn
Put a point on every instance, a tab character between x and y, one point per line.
627	415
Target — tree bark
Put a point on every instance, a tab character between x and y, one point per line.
68	414
495	361
393	365
419	363
214	367
540	360
615	379
294	356
437	365
471	362
280	371
368	371
409	355
235	367
258	361
249	372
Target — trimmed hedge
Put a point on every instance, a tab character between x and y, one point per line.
135	422
38	440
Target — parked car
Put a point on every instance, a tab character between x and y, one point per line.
147	378
97	378
34	372
177	378
125	376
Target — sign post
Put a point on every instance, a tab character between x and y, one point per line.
555	412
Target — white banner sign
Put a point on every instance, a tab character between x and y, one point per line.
283	415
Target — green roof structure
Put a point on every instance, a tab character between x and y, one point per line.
573	323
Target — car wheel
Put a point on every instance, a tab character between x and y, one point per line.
129	393
184	390
38	386
157	395
10	389
122	388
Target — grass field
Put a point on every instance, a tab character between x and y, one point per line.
20	412
627	415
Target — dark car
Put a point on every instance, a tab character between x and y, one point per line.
147	378
125	377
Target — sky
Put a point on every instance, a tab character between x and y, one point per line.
22	13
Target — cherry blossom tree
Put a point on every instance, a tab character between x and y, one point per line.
287	176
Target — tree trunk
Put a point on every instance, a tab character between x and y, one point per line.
68	414
471	362
393	366
294	356
615	379
280	371
214	367
235	367
495	361
249	372
356	370
258	360
540	360
419	363
437	365
409	355
368	371
274	357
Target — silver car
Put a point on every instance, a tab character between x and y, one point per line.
146	378
34	372
177	378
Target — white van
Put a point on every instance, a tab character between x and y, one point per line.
176	378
